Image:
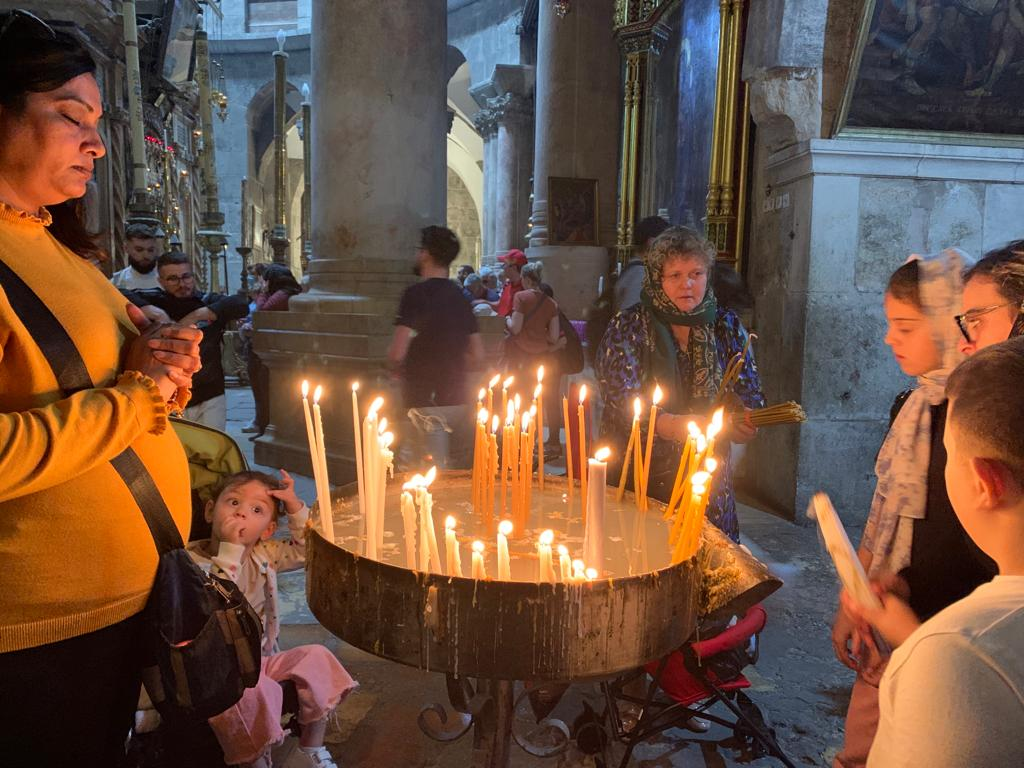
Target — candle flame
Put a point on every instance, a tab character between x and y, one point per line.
548	537
700	478
483	392
693	429
710	465
317	393
505	527
603	454
305	389
518	402
638	407
382	426
478	547
355	386
578	567
537	390
494	424
508	382
657	394
430	476
540	374
702	443
376	405
387	439
715	427
482	416
583	393
450	523
591	574
510	413
494	382
415	483
526	422
533	411
563	551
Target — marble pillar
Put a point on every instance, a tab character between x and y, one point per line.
379	138
577	133
485	124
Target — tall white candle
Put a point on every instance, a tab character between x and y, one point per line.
428	518
479	570
323	491
593	536
579	570
387	466
546	573
358	447
409	523
371	455
314	452
451	547
564	563
504	564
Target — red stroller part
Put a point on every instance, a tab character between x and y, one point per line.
692	679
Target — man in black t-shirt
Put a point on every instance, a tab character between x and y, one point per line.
436	337
178	300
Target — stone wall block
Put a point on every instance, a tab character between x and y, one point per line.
785	102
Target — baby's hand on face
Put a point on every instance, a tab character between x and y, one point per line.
292	503
231	530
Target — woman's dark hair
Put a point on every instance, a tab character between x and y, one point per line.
280	278
1005	268
34	58
903	285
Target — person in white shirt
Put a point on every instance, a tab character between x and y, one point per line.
142	247
953	693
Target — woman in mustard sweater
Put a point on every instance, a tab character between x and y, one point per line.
76	557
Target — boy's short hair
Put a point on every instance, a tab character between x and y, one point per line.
441	243
139	232
904	285
270	482
987	403
648	229
171	258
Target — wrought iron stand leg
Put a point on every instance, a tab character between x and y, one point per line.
493	712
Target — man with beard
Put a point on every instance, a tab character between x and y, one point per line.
436	337
141	244
178	300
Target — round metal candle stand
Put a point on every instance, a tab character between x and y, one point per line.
499	632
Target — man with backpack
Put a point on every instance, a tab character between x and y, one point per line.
177	300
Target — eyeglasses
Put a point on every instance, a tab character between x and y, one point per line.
175	279
968	321
17	14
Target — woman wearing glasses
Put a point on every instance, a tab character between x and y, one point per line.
77	557
993	299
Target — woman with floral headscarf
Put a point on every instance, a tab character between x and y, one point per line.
913	542
679	338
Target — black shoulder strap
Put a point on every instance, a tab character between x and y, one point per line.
73	376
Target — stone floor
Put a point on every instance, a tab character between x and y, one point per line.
798	684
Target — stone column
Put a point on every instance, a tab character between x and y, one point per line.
488	128
379	138
577	131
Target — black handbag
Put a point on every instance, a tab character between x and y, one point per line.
202	637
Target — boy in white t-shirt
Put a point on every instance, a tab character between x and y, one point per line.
953	694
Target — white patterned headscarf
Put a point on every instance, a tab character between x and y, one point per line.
901	494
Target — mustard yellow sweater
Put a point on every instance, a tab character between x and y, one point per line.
75	552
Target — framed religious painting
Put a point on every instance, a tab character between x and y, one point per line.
572	211
937	69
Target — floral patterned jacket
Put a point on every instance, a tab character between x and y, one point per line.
620	376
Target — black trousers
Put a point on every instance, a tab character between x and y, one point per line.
71	703
259	380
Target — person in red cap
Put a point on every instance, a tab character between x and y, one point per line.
513	262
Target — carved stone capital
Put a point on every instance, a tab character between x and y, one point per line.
511	108
486	123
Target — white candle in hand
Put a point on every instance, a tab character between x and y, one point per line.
504	564
479	571
593	535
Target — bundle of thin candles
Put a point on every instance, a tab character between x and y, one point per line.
783	413
733	371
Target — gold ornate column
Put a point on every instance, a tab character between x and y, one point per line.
728	174
639	37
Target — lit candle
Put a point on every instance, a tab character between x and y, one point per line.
490	392
547	572
518	402
538	395
480	399
699	488
593	533
568	444
504	563
513	437
634	433
427	512
583	444
479	571
650	445
451	547
371	457
504	392
687	465
492	468
525	472
409	523
323	491
592	574
314	452
358	443
579	571
564	563
387	467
